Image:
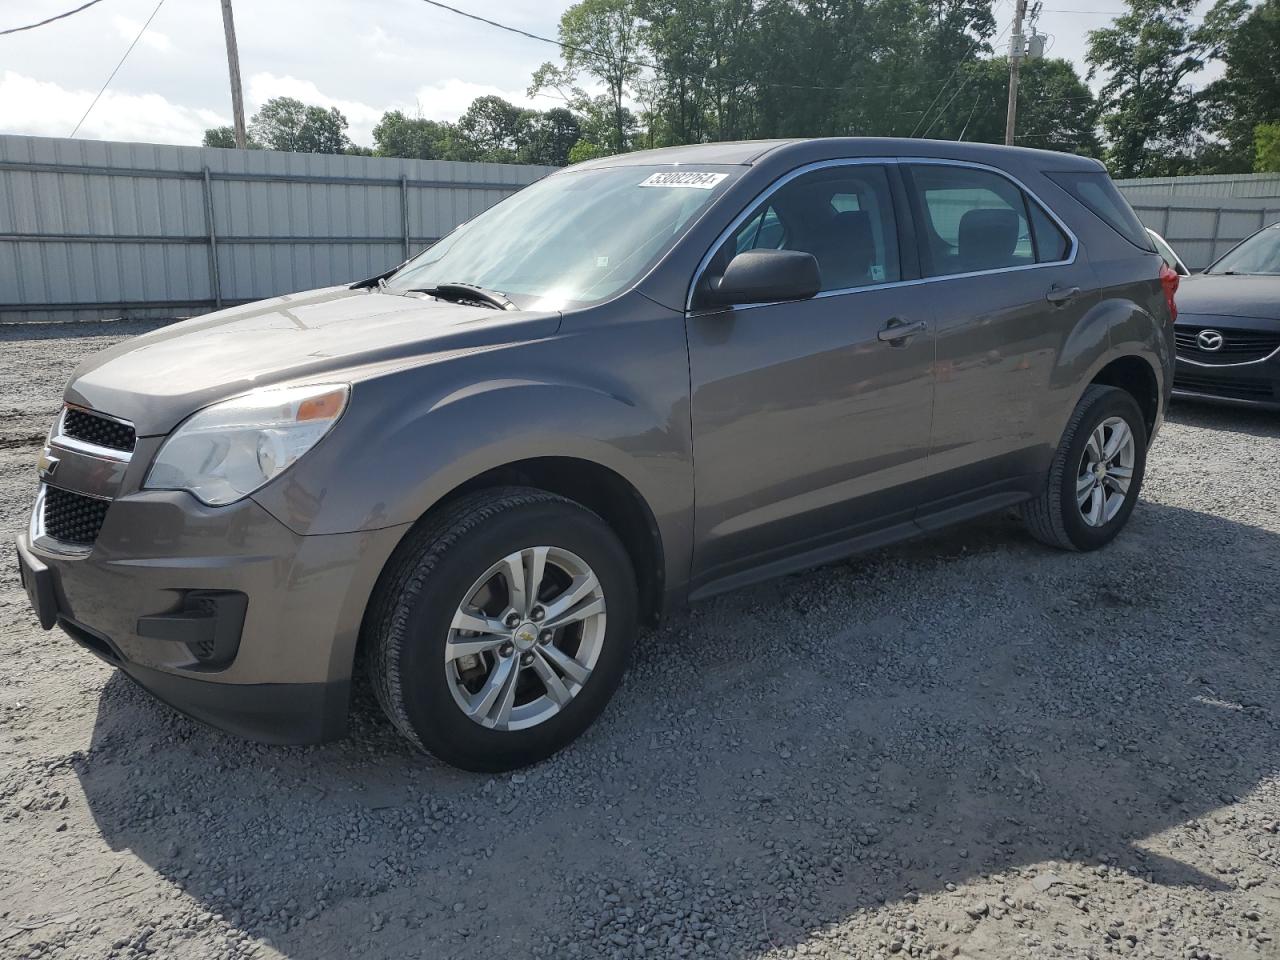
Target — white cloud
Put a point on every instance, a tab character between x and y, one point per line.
362	58
361	116
128	29
44	108
450	99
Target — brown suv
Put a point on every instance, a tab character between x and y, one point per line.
643	380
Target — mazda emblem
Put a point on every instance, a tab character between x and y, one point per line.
1209	340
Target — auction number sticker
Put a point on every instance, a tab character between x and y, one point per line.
684	178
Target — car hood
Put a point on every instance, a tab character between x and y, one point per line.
158	379
1220	295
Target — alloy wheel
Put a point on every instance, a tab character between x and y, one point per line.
525	638
1106	471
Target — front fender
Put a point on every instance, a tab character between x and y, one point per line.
411	436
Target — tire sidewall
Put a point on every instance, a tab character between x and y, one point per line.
422	622
1113	403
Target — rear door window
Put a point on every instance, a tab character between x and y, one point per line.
974	220
1096	191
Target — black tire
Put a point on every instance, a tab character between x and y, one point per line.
1054	517
425	581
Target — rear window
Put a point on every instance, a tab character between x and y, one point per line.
1099	194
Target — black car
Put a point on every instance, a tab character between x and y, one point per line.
1228	326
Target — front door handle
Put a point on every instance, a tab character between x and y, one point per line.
897	331
1061	295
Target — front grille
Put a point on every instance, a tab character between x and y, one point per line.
1238	346
73	517
1233	388
100	431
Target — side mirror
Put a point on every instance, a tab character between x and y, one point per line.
764	276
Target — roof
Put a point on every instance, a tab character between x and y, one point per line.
747	152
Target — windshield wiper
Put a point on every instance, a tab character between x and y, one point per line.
469	292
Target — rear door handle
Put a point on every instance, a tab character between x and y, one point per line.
1061	295
896	331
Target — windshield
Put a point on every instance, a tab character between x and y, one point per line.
1259	254
574	238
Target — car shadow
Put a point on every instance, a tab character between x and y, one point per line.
778	759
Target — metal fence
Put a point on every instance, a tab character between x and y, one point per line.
1203	217
92	229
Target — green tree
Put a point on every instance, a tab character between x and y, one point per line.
226	137
1248	93
1056	108
284	123
1266	147
1148	56
601	38
586	150
491	129
550	137
397	135
703	84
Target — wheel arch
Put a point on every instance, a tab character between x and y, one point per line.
598	488
604	492
1137	376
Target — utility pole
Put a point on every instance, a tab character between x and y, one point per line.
1016	48
233	65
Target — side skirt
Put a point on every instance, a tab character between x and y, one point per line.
928	520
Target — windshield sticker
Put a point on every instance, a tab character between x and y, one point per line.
698	181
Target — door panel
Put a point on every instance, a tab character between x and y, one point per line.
806	425
808	420
1006	301
998	340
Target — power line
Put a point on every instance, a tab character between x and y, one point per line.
61	16
118	66
959	64
1102	13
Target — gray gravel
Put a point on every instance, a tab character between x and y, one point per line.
966	746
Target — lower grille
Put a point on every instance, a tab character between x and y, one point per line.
73	517
1233	388
1238	346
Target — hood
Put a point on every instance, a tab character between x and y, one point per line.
158	379
1221	295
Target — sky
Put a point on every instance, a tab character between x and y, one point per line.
362	57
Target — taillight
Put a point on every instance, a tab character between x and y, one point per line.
1169	280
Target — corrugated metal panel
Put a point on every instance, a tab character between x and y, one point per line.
1238	186
1203	228
94	228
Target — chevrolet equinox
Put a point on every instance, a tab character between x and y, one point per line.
643	380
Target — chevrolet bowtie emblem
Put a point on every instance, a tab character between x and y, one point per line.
47	464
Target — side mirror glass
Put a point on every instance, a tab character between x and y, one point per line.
763	276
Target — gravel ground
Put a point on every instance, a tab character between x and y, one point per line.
966	746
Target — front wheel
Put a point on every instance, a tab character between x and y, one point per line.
1096	474
502	628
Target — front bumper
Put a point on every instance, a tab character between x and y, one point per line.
1241	384
224	613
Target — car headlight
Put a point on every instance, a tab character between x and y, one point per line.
228	450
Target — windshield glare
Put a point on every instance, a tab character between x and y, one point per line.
1259	254
575	238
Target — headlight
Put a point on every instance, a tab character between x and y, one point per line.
228	450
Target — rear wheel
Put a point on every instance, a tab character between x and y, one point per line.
1096	474
502	628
